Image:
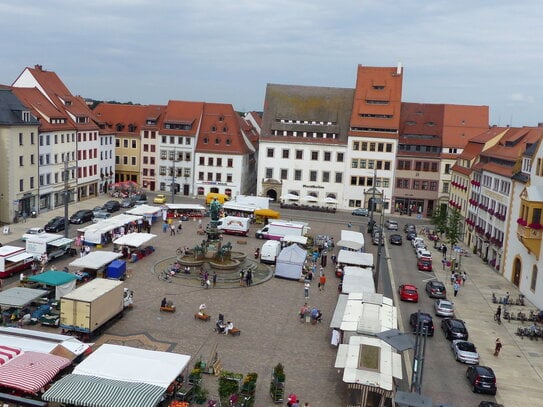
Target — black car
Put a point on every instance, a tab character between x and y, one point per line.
436	289
139	199
454	329
55	225
426	321
395	239
411	235
482	379
82	216
485	403
112	206
127	203
409	227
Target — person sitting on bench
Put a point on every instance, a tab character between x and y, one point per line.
229	326
202	309
163	303
219	325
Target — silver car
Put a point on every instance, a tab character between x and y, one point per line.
444	308
465	352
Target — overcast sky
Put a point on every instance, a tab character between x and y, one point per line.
150	51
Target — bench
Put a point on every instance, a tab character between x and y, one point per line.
234	332
242	241
167	309
203	317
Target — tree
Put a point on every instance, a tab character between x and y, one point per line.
453	230
439	220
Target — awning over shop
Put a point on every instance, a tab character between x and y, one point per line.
53	278
30	371
350	245
267	213
311	198
134	239
19	297
7	353
142	210
43	342
82	390
290	197
95	260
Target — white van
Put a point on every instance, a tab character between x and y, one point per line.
269	252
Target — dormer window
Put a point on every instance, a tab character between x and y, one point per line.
213	129
221	118
217	140
81	119
131	128
26	116
206	140
224	129
67	102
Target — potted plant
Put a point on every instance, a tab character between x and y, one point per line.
277	385
200	395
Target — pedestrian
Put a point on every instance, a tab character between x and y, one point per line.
349	225
453	276
309	276
506	299
444	251
303	311
322	282
248	278
307	286
241	277
464	277
456	287
87	249
214	279
164	227
24	217
82	251
140	224
172	229
498	347
498	313
180	226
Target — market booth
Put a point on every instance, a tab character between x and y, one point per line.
357	280
150	213
107	230
133	243
262	215
184	210
93	264
290	262
20	297
63	282
119	376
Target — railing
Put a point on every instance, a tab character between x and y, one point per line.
526	232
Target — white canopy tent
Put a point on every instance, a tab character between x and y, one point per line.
357	280
144	210
19	297
290	262
95	260
134	239
350	258
352	240
93	233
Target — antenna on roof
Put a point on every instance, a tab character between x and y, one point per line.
399	69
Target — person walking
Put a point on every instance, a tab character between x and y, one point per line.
307	286
322	282
214	279
464	278
498	314
456	287
498	347
444	251
453	276
241	277
172	229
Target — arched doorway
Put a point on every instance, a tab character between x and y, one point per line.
517	271
272	194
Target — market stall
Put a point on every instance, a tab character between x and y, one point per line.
119	376
262	215
105	231
19	297
150	213
351	241
184	210
290	262
62	281
133	243
357	280
93	264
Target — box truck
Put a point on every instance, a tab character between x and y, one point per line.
86	310
13	259
234	225
277	230
269	252
48	244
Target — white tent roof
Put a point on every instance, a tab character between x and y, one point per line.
110	224
351	240
369	314
295	239
244	207
19	296
37	341
355	258
134	239
144	210
349	357
291	197
292	254
133	365
95	260
357	280
174	206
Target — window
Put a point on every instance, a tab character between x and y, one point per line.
356	145
297	175
20	139
56	138
117	142
202	161
230	162
269	152
372	146
228	177
533	280
21	161
364	146
209	160
125	160
284	173
299	154
269	172
32	138
387	165
327	156
134	144
285	153
388	147
21	185
32	159
125	143
31	182
133	160
447	168
219	162
354	163
339	157
381	147
313	176
326	176
402	183
314	155
200	176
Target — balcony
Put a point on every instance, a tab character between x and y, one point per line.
530	237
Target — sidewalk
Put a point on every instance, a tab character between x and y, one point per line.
519	367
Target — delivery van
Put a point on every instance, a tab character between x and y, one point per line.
234	225
269	252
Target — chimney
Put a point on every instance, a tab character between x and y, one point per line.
399	69
38	67
540	124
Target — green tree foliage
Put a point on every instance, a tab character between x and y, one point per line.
439	220
454	228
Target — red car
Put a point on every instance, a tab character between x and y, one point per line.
424	264
408	292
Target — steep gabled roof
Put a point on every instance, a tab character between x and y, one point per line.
421	123
220	131
182	113
126	119
462	122
11	108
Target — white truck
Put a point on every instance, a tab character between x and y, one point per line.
276	230
234	225
48	244
86	310
269	252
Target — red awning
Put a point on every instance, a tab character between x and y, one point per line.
30	371
7	353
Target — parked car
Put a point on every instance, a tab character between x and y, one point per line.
409	227
395	239
416	240
98	209
160	199
391	224
360	212
112	206
465	352
424	264
55	225
411	235
408	292
482	379
99	216
127	203
444	308
82	216
139	199
423	252
425	319
436	289
32	232
378	239
486	403
454	329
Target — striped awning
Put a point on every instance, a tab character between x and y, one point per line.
7	353
30	371
92	391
